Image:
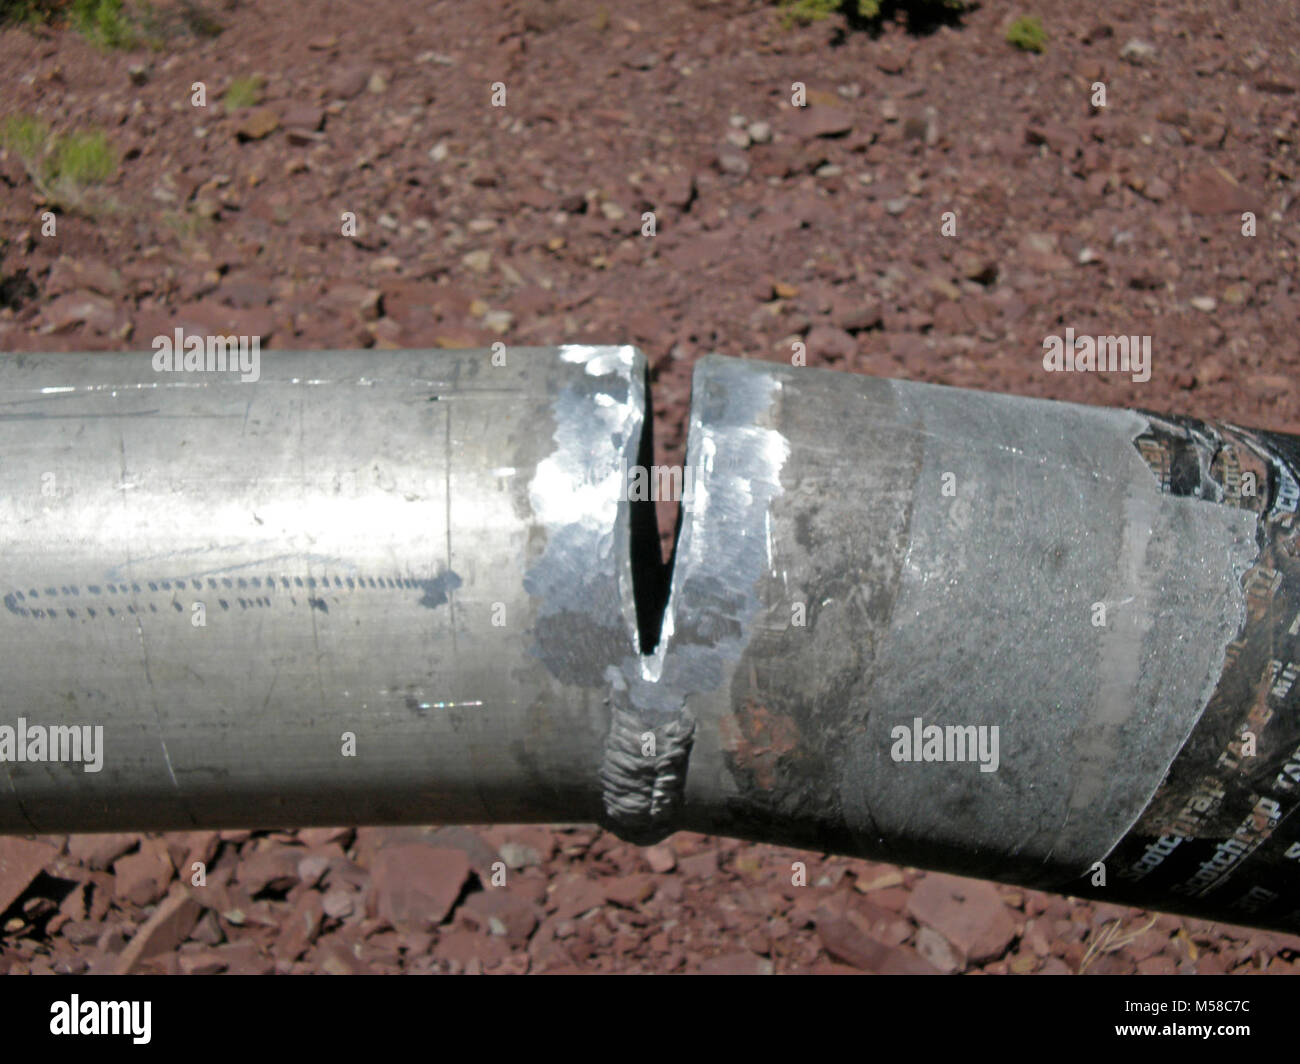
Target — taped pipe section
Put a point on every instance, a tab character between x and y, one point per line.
1039	642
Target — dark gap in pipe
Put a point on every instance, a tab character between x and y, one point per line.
650	574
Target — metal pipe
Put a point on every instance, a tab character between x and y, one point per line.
1032	641
312	599
1039	642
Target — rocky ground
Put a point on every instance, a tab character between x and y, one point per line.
773	224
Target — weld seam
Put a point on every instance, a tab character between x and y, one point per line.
643	774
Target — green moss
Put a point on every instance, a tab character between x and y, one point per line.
1027	34
83	159
25	136
243	92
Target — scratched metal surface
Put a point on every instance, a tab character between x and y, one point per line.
969	609
353	524
432	553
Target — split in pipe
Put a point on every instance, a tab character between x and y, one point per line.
1038	642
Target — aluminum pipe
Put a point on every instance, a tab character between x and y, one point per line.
1032	641
314	598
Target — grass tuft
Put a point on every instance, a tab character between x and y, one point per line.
103	22
1027	34
242	93
65	168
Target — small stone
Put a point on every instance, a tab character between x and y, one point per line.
21	861
738	138
142	877
897	205
138	73
99	851
1157	190
499	321
1138	52
679	190
630	891
891	62
760	132
702	865
80	308
338	903
169	926
347	83
975	267
478	261
377	83
936	949
730	161
969	913
1205	304
416	885
1235	295
1039	252
1214	191
310	869
830	343
574	895
846	942
516	855
257	124
503	914
304	117
811	122
275	870
612	210
856	318
660	858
